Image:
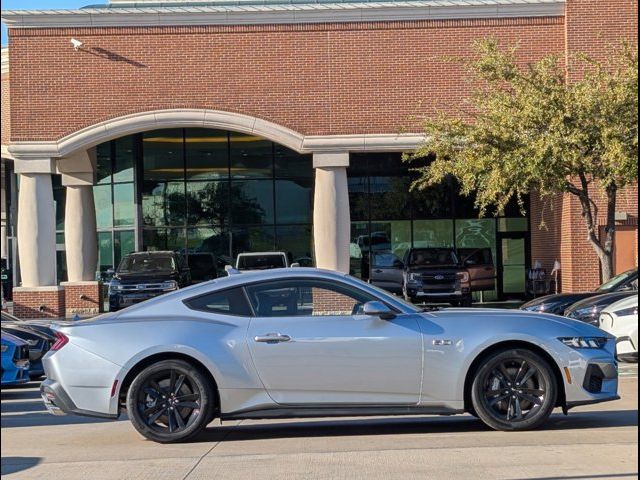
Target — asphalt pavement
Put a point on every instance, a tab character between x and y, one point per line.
594	442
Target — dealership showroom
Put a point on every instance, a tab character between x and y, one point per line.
261	140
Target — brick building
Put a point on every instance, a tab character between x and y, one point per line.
294	114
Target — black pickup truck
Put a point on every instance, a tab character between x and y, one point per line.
144	275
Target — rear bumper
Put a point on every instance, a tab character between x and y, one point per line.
58	402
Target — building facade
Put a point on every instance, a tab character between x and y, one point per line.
232	126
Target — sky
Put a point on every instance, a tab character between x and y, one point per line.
41	5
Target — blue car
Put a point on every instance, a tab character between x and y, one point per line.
15	360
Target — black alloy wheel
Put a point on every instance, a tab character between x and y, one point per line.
170	401
514	390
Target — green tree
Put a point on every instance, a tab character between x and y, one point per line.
529	129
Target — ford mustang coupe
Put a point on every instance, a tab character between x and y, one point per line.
304	342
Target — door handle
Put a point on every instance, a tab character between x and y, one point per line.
377	271
272	338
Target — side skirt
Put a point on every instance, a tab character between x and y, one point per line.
330	411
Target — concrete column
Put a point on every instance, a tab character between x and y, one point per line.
331	215
80	233
36	230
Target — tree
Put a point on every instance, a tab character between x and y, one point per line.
528	129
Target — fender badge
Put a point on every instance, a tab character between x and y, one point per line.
440	342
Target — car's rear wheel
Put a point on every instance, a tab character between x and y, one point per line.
170	401
514	389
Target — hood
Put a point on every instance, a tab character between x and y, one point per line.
556	303
630	302
599	301
433	268
146	277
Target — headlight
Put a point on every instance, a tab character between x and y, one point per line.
582	312
463	277
584	342
114	286
169	285
625	312
5	348
415	277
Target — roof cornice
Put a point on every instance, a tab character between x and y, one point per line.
283	13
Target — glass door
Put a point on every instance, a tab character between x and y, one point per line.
513	264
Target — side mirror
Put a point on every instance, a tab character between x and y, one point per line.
110	271
378	309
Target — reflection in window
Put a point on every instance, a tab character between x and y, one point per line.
162	155
252	202
123	205
251	156
207	154
293	200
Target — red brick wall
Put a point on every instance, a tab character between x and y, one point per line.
6	110
315	79
27	303
83	298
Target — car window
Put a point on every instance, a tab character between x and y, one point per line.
147	263
433	257
226	302
476	256
294	298
616	281
385	260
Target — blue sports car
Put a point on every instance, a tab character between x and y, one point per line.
15	360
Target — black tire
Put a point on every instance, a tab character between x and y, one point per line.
514	389
171	401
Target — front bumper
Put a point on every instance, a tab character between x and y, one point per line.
58	402
590	377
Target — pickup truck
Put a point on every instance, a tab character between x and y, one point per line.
144	275
261	261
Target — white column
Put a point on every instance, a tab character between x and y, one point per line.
331	215
36	230
80	239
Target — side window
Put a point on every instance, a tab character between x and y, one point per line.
289	298
225	302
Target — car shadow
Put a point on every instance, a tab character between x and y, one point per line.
17	464
23	407
406	425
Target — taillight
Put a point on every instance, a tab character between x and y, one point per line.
61	341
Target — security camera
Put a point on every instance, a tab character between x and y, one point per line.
76	43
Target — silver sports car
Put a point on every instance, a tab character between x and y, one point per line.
302	342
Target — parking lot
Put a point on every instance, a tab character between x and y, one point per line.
599	441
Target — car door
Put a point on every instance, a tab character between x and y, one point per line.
481	267
311	346
386	271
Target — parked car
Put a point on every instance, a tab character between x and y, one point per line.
435	274
303	342
386	271
203	266
621	320
38	342
15	360
261	261
144	275
589	309
559	302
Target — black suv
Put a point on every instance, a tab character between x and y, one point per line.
144	275
435	274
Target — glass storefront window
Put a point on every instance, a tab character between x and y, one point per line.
292	164
164	239
124	242
208	203
251	156
296	242
163	155
105	251
252	202
433	233
293	200
207	154
103	167
123	160
104	204
123	205
518	224
252	239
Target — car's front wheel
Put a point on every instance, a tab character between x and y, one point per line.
514	389
170	401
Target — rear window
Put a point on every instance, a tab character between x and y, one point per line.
261	262
226	302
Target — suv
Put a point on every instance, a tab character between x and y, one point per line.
144	275
435	274
261	261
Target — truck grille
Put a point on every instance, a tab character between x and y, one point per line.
142	287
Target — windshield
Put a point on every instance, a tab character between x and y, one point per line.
147	263
261	262
616	281
8	318
433	257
